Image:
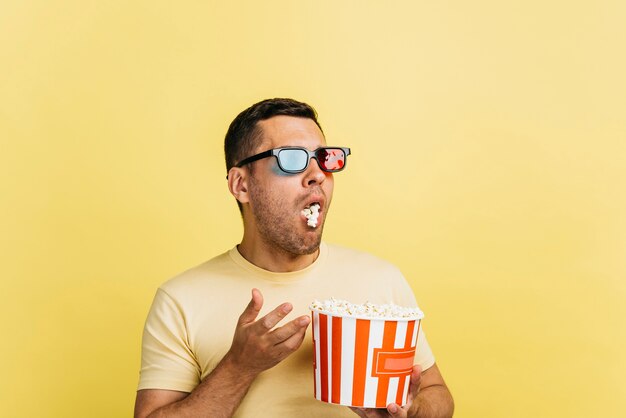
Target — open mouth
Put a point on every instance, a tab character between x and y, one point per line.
311	213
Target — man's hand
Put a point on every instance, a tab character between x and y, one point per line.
393	409
257	345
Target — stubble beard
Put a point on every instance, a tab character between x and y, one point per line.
277	222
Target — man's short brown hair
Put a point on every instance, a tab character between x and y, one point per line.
243	132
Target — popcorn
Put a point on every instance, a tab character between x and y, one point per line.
367	310
311	214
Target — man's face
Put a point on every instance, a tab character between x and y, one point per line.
276	199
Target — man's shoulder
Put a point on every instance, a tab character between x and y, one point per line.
212	269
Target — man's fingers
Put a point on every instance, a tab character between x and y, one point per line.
416	375
269	321
252	310
395	411
414	386
289	329
292	342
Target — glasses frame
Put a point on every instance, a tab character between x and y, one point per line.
312	154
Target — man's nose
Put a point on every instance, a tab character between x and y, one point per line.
313	174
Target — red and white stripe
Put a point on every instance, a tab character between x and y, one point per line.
361	362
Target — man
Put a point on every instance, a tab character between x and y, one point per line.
192	366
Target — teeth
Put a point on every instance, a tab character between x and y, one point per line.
311	214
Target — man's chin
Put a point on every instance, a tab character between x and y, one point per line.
311	245
311	250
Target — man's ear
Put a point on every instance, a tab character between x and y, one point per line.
238	183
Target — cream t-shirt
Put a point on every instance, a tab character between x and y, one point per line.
192	320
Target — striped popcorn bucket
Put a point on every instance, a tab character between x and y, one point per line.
362	362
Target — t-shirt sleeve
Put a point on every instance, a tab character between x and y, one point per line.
423	354
167	361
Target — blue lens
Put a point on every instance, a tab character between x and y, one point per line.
293	159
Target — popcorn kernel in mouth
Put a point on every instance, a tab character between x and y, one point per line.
311	214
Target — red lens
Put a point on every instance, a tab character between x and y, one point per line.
331	159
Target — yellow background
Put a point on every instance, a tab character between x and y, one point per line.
489	164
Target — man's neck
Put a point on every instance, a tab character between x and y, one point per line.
275	259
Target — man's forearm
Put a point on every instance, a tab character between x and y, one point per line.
434	402
218	396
